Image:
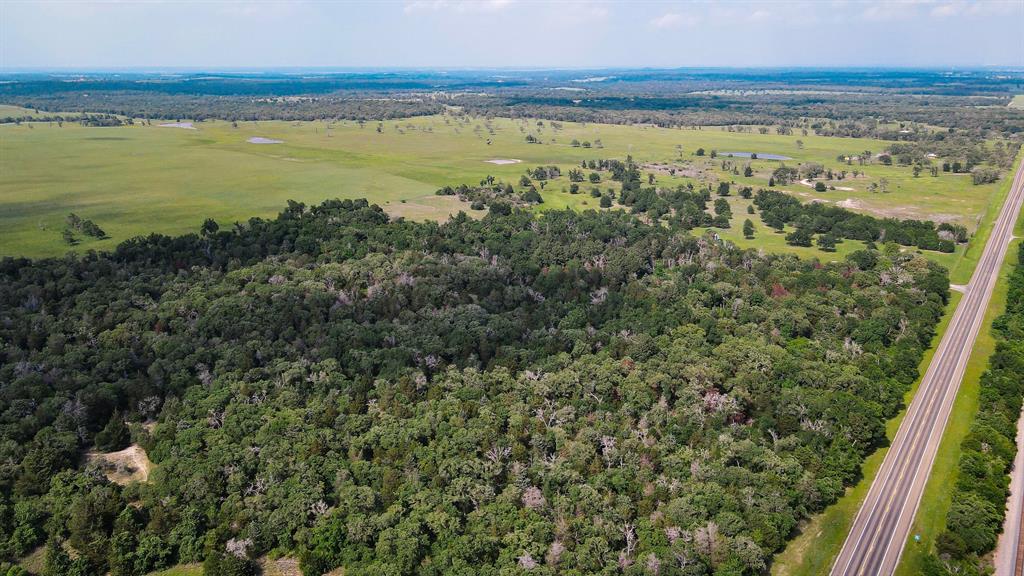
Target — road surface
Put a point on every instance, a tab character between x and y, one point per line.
1011	541
882	526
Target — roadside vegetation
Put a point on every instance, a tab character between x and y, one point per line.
814	549
978	501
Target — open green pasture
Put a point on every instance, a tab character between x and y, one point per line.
133	180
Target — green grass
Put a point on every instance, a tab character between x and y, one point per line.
19	112
772	241
961	265
139	179
813	551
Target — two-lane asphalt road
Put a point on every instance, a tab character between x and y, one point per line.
882	525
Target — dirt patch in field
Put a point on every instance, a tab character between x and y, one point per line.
34	561
901	212
437	208
185	125
262	140
831	186
503	161
760	155
124	466
679	170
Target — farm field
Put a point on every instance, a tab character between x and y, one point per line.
8	111
144	178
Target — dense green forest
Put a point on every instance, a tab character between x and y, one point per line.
976	516
563	392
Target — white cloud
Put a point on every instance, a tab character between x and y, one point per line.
759	15
459	6
961	8
884	12
945	10
671	20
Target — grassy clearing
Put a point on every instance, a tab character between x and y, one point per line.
138	179
35	561
124	466
268	567
181	570
1017	102
961	264
768	239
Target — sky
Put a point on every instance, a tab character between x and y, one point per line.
212	34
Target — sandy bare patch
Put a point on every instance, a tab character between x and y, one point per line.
262	140
430	207
673	170
811	184
34	561
901	212
185	125
503	161
123	467
280	567
961	288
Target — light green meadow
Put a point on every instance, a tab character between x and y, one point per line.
133	180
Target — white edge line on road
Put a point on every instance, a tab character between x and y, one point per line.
961	367
1001	248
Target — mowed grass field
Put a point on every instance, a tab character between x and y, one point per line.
134	180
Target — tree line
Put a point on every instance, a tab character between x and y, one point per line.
779	209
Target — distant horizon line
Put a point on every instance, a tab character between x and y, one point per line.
351	69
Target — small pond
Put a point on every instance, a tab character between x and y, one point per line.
760	155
